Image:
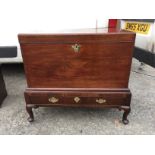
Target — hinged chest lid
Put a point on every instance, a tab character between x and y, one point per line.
79	36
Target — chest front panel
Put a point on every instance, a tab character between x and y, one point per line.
92	65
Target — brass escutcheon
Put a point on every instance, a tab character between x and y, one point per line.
76	47
76	99
53	100
101	101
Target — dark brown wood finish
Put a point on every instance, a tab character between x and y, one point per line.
3	92
96	75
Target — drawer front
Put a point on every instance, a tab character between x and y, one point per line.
79	99
78	65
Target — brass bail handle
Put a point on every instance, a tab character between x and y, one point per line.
76	47
101	101
53	99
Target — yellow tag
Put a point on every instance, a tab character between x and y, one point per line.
142	28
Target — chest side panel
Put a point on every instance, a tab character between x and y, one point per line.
95	65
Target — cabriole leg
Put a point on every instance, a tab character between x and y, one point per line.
30	112
125	114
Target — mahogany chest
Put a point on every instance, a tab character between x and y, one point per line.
88	68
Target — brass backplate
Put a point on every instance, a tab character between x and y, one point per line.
53	99
76	99
100	101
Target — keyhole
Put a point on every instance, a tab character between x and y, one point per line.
76	47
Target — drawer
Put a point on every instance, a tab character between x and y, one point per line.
79	99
